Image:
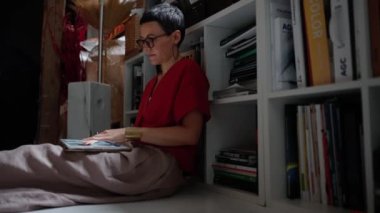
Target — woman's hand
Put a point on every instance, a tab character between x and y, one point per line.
110	135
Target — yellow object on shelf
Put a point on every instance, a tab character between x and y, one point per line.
115	11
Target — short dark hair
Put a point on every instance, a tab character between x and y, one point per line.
168	16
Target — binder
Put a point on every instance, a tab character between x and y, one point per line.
299	45
284	73
340	34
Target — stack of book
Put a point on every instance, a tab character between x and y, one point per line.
236	168
241	46
232	91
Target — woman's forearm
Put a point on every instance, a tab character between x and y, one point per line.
171	136
187	133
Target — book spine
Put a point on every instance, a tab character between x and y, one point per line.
244	67
242	42
340	35
227	180
236	161
330	134
302	153
298	38
244	61
322	173
352	170
248	31
250	170
247	72
241	51
291	150
236	176
246	54
317	43
374	22
243	78
232	52
336	135
325	139
315	152
284	73
310	155
238	154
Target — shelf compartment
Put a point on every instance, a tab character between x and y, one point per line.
276	146
232	125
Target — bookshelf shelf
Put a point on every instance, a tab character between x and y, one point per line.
324	90
238	99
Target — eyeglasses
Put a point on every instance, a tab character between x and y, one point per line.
149	41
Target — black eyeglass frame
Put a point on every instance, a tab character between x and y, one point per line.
148	41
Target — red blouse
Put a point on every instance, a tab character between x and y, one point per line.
183	89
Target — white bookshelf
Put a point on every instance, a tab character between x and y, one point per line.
243	119
234	119
365	91
148	73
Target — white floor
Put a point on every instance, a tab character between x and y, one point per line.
192	199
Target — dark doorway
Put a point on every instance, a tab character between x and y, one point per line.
20	68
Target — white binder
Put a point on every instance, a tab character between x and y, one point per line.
89	109
340	35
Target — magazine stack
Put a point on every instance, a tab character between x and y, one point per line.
236	168
241	47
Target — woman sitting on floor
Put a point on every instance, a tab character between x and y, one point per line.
172	113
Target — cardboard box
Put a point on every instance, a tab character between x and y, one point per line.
132	32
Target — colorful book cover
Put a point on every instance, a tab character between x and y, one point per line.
317	43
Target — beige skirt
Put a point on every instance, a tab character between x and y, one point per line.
38	176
